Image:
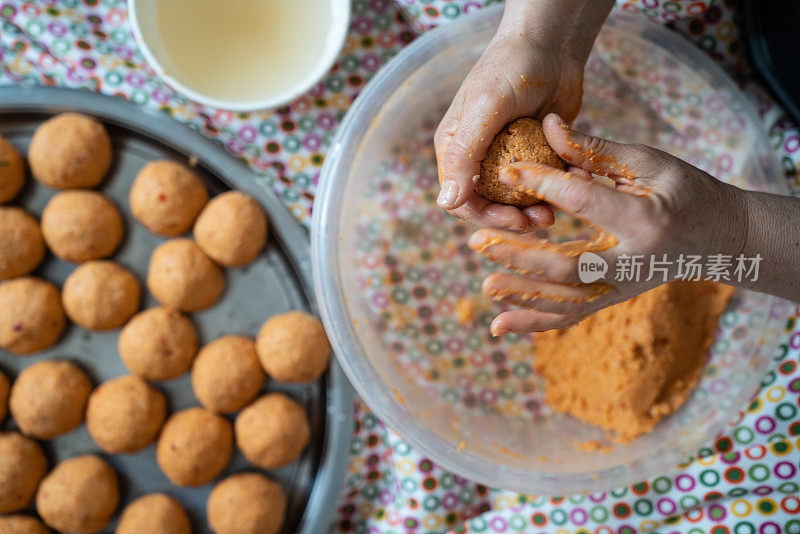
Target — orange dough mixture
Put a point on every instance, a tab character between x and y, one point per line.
521	140
628	366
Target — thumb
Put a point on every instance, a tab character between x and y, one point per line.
600	156
457	168
477	113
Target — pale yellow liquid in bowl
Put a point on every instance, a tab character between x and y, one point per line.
242	50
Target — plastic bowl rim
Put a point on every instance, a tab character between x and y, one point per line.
335	314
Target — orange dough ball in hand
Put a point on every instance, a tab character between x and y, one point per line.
154	513
70	151
31	316
22	524
226	374
521	140
246	503
22	467
81	225
12	171
125	414
231	229
79	495
21	244
166	197
158	344
181	276
49	398
194	447
293	347
273	431
101	295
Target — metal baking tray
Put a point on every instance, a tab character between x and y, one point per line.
279	280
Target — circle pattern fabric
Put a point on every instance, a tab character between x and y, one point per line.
747	481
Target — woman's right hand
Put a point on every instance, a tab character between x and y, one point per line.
533	66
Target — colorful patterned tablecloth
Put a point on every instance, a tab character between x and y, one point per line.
747	481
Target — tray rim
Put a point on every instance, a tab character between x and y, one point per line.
288	232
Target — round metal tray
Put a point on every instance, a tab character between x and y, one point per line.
279	280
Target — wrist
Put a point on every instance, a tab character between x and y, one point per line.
567	27
734	212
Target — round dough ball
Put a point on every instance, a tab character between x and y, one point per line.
273	431
49	398
12	171
21	244
166	197
226	374
158	344
232	229
31	316
246	503
521	140
79	495
293	347
154	513
22	467
5	387
181	276
194	447
70	151
22	524
125	414
101	295
81	225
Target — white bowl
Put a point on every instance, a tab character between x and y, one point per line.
390	266
142	16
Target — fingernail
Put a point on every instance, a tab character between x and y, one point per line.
497	331
448	195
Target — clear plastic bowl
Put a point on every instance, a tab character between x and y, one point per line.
390	266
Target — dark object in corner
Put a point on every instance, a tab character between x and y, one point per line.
770	28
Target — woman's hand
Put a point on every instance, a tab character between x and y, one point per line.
659	208
533	66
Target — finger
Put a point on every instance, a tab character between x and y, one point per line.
583	173
486	214
581	198
542	295
600	156
444	135
540	215
523	321
461	162
525	254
